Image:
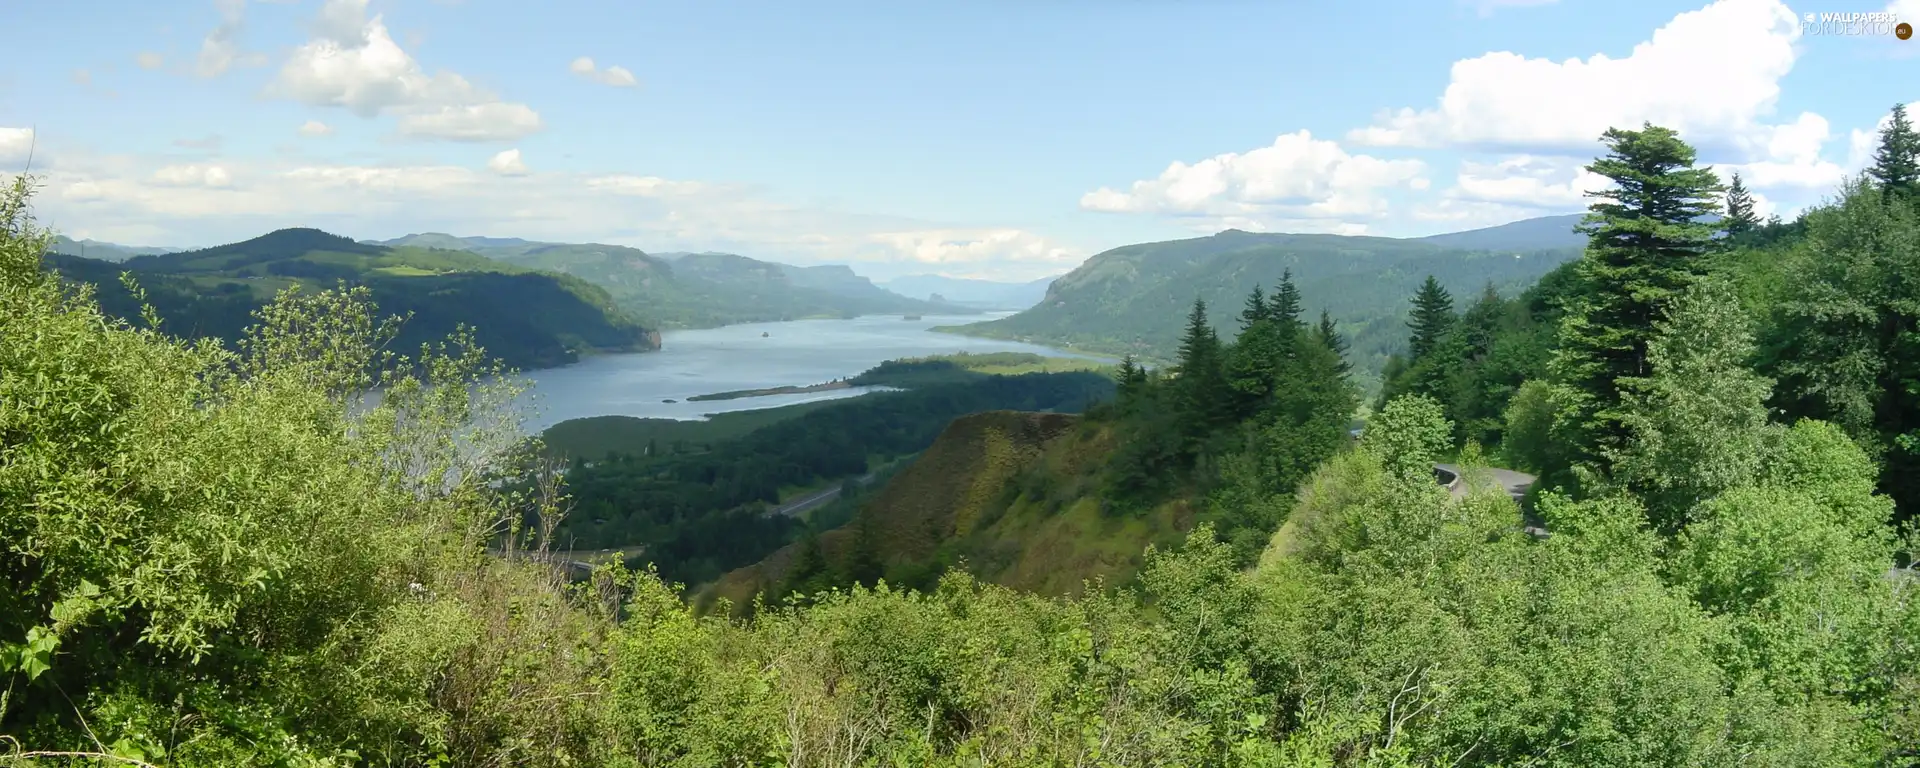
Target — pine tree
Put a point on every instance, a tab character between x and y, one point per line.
1204	396
1284	308
1645	246
1329	337
1740	220
1432	316
1256	309
1896	164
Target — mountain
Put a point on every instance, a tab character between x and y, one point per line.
1134	299
527	318
986	294
95	249
699	290
1541	234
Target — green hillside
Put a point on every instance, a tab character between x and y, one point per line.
527	318
697	290
1132	299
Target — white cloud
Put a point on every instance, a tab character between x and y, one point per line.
353	62
615	76
1739	48
480	122
1526	181
15	144
221	48
1861	144
508	163
1297	178
193	176
150	60
146	199
315	128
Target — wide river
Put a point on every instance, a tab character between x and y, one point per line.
752	356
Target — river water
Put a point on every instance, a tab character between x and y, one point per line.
751	356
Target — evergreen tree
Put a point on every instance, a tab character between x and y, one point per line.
1329	337
1284	309
1645	246
1432	316
1204	395
863	563
1256	309
1740	220
1896	164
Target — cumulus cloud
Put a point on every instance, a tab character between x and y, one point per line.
949	247
615	76
315	128
193	176
150	60
1526	181
352	62
1297	178
1506	101
15	144
508	163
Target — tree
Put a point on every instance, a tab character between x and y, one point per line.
1329	337
1740	220
1256	309
1646	238
1432	316
1204	395
1697	423
1896	163
1284	309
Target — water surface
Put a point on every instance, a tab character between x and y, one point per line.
701	362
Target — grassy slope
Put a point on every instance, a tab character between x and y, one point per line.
1011	495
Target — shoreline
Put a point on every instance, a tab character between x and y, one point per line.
767	391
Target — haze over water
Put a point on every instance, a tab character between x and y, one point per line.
735	357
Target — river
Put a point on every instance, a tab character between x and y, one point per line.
750	356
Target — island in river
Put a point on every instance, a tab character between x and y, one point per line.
766	391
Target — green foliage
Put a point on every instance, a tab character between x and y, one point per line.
1740	220
1896	162
1645	247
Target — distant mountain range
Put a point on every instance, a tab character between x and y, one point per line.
95	249
527	318
696	290
985	294
1134	299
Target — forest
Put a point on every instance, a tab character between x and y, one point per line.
701	510
213	559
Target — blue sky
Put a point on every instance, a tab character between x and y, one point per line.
987	138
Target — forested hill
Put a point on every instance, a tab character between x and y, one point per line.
697	290
1132	299
527	318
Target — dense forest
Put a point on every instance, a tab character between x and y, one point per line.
700	510
213	559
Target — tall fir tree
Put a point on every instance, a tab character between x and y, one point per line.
1256	309
1645	244
1250	363
1432	316
1204	395
1740	220
1896	163
1329	337
1284	309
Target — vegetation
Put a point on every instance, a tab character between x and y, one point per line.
214	558
1130	300
700	290
528	319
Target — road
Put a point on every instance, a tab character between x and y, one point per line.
1515	483
816	499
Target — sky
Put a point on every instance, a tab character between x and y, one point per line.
1003	139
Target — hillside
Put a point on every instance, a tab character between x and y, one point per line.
986	294
529	319
1134	299
1545	232
1012	494
697	290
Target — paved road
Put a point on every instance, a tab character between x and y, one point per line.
1515	483
813	500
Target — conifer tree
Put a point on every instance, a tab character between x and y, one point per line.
1203	392
1740	220
1256	309
1432	316
1284	309
1645	244
1896	163
1329	337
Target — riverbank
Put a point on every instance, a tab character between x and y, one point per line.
768	391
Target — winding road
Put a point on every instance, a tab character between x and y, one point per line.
816	499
